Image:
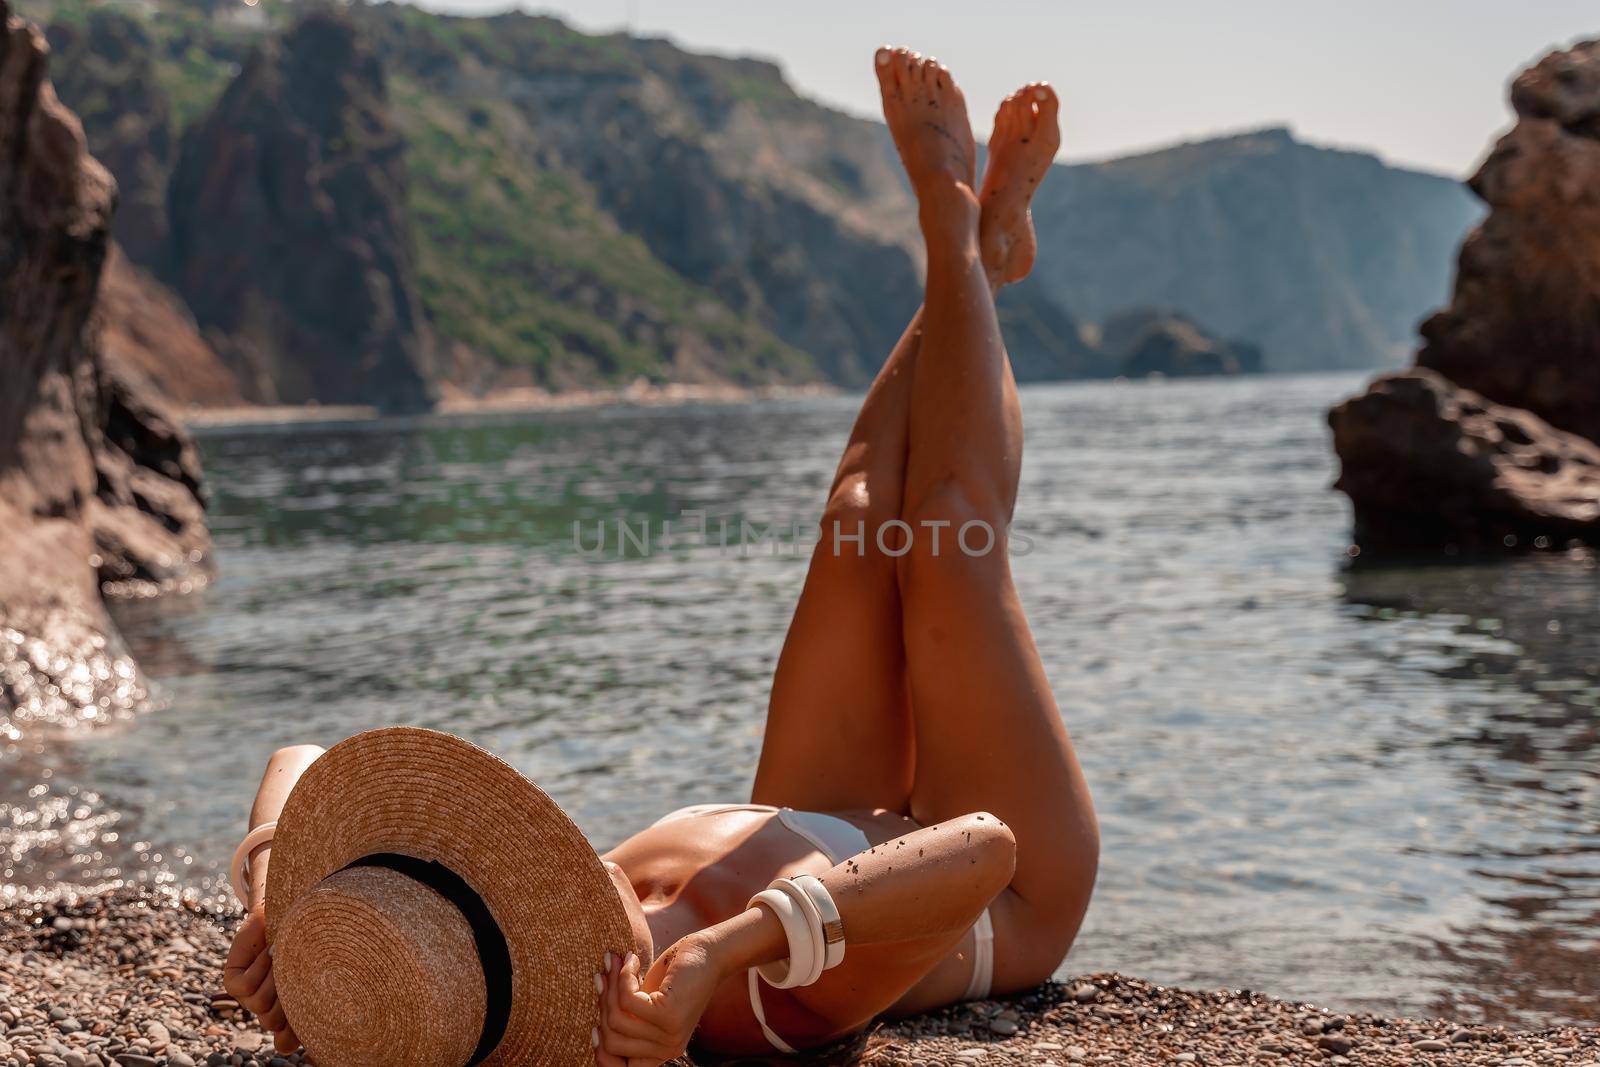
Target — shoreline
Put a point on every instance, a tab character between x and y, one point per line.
132	976
522	400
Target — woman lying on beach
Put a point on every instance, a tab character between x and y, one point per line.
914	760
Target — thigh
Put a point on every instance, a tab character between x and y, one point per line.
838	730
838	733
989	737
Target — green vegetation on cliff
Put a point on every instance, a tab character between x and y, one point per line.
586	209
515	262
525	278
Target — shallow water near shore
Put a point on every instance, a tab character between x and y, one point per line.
1371	788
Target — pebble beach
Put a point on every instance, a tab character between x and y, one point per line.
131	977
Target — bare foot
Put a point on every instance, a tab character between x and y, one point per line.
1024	144
928	117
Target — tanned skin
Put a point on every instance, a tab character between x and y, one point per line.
909	698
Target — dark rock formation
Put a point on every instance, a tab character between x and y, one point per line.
148	514
1470	449
1524	326
1322	258
290	238
104	70
95	482
1043	340
146	331
1146	342
1428	464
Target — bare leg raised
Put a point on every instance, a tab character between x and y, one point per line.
988	734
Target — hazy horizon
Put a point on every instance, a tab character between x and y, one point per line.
1422	87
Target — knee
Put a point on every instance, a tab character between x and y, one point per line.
954	533
858	523
1054	910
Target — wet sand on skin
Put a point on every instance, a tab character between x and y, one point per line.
133	977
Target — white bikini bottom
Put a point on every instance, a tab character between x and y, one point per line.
838	839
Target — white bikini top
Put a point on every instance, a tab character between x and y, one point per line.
830	835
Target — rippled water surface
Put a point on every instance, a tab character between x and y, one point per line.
1371	788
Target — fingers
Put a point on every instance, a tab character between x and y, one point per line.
629	973
616	1016
265	1004
648	995
623	1035
659	971
249	941
243	984
286	1040
634	1048
274	1019
248	961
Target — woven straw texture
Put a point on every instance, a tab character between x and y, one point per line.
366	929
438	797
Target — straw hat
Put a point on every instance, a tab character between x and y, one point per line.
427	904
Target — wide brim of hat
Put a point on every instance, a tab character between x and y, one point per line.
438	797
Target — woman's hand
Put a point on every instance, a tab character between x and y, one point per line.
644	1024
247	976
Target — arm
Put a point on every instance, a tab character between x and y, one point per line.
283	771
931	882
247	975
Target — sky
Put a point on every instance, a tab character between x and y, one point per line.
1420	82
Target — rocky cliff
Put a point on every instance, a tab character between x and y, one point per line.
668	182
1490	441
590	209
1322	258
290	237
98	488
1147	342
1431	464
105	67
146	331
1524	325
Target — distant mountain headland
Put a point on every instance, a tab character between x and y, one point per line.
380	204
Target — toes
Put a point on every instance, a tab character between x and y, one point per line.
1005	118
918	70
1030	110
942	81
889	64
883	67
1045	102
1048	106
902	67
1026	111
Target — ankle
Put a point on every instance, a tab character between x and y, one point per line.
949	221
